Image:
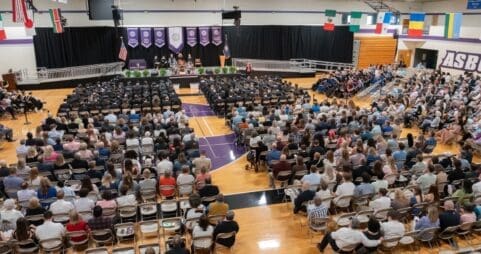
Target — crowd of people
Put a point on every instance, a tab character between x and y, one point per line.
346	83
14	102
335	155
116	94
80	170
223	93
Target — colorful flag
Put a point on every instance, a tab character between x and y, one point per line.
452	25
123	50
355	24
416	24
56	17
226	49
329	25
3	35
19	11
176	39
383	22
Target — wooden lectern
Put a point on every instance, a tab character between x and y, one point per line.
11	80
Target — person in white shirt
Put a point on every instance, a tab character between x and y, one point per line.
202	161
84	204
147	139
49	229
346	237
477	187
345	189
22	149
111	118
164	164
185	178
25	194
126	199
61	206
9	213
148	182
427	179
203	228
382	202
392	228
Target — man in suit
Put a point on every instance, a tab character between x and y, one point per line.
226	226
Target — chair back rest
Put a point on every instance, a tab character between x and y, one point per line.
100	250
144	247
125	250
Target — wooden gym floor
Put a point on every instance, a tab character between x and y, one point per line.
264	228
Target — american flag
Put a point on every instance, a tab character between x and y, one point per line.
123	51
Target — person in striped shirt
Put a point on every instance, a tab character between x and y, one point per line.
317	210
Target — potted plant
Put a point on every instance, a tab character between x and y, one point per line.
137	74
232	69
225	70
217	70
146	73
162	72
201	70
128	73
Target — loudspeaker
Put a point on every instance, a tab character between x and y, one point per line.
231	15
100	9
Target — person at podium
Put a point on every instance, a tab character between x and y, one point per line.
163	62
190	63
156	62
172	61
181	62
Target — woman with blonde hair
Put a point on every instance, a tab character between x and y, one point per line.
400	200
34	208
46	190
75	224
60	163
32	155
329	174
49	155
84	153
108	183
390	167
381	145
329	160
430	220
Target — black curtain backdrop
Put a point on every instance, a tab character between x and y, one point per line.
94	45
76	46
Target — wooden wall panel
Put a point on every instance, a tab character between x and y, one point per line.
376	50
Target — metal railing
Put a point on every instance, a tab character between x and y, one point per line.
321	65
270	65
87	71
292	65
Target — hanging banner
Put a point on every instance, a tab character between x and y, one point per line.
159	34
191	36
133	37
146	37
176	39
216	35
204	35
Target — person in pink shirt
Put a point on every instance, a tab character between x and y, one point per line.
49	155
201	177
107	200
72	145
84	153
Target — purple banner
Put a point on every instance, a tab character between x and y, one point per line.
159	35
146	37
204	35
191	36
216	35
133	37
176	39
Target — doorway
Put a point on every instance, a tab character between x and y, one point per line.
405	57
427	57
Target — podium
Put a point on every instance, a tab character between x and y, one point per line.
11	80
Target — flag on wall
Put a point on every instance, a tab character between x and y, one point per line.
383	22
416	24
56	17
329	25
123	50
3	35
452	25
176	39
355	24
19	11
